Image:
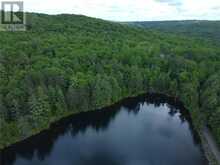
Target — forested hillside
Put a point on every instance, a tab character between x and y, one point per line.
209	30
67	64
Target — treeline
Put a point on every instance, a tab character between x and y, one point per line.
208	30
68	64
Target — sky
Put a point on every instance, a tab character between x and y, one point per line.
130	10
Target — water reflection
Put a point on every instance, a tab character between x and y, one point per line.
146	130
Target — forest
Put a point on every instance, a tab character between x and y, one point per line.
208	30
66	64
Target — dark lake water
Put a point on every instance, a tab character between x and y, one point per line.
147	130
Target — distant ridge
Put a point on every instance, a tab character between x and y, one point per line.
197	28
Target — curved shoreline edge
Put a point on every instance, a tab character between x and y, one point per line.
210	146
208	143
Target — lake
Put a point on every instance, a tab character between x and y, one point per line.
146	130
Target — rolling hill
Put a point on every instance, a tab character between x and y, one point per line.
209	30
67	64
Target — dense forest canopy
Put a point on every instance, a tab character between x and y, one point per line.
65	64
208	30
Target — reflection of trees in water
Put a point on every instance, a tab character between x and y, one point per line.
98	120
132	105
175	106
42	144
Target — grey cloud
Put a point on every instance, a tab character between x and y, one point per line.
177	3
216	8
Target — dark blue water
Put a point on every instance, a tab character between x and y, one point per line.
141	131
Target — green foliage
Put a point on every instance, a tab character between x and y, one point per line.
201	29
215	123
39	108
67	64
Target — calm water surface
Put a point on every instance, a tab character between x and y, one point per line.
146	130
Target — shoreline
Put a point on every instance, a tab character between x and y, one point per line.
210	146
211	156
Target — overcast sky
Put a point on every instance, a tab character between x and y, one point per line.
131	10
